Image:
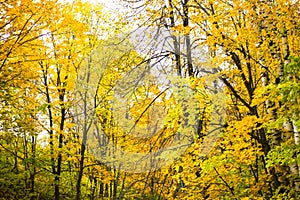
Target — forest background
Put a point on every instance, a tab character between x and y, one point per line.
157	99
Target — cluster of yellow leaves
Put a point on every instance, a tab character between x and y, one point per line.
181	29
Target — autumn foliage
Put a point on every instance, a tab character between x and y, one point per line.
164	99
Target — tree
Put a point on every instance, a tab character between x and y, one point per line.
248	43
23	27
91	104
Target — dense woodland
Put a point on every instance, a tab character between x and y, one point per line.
158	99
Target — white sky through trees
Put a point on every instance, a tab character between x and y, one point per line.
107	4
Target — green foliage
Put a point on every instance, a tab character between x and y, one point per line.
282	155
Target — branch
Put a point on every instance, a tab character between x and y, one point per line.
234	92
225	182
148	108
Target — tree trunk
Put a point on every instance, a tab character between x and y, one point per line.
291	125
86	127
176	43
187	39
33	172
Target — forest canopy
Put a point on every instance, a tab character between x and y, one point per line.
152	99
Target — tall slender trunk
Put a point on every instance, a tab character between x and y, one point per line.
60	141
187	39
176	43
33	172
290	125
49	109
86	126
